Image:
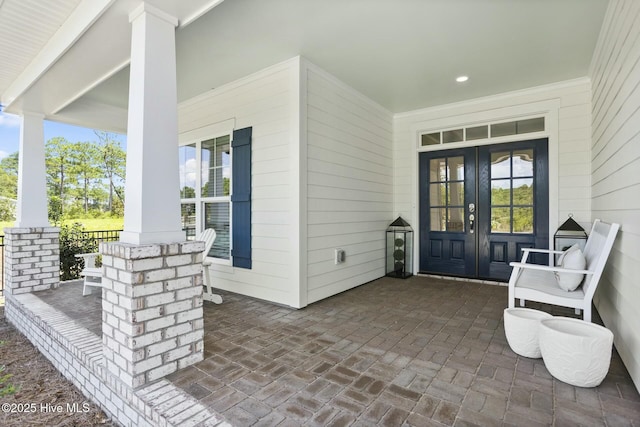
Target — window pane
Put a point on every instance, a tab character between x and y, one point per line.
530	125
438	219
430	139
437	194
523	220
455	135
523	163
456	219
216	216
523	191
503	129
500	220
456	194
188	216
188	168
437	170
501	164
501	192
208	171
478	132
216	167
456	168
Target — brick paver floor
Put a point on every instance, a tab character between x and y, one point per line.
421	351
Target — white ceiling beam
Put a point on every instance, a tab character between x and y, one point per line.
80	20
197	14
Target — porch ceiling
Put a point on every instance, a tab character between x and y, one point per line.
403	54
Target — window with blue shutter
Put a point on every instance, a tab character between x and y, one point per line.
241	198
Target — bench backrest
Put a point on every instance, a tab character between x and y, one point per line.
208	236
596	252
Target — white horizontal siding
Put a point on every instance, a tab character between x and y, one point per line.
262	101
349	185
616	182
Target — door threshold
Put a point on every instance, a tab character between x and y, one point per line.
463	279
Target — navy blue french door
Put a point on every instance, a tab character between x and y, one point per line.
480	206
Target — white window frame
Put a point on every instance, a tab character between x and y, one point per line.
196	137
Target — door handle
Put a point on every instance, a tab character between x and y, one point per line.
472	217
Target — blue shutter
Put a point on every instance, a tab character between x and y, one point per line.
241	198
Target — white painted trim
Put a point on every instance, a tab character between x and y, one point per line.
199	13
145	7
345	87
298	161
503	97
213	130
549	109
257	76
80	20
90	87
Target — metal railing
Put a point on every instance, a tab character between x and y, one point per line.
91	238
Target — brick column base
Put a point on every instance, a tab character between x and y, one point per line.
31	259
152	323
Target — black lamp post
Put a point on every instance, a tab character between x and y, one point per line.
399	259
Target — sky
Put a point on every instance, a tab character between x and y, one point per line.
10	133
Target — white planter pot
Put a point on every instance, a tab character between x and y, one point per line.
575	351
521	328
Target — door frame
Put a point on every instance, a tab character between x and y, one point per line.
445	118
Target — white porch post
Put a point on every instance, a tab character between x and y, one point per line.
152	319
32	248
152	192
31	210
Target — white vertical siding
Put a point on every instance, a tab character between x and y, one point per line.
615	73
349	188
567	106
264	102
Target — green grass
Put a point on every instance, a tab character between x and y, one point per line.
88	223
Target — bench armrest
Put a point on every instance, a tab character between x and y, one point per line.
548	268
543	251
89	259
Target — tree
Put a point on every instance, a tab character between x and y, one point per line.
59	160
86	167
9	176
112	161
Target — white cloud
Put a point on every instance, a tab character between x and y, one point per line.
9	120
3	154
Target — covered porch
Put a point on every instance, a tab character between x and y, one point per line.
423	351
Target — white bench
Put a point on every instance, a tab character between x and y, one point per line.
92	274
536	282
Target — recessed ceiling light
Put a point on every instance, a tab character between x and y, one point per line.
462	79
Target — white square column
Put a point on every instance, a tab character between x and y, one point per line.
152	188
31	210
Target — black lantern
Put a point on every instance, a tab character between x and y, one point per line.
568	234
399	249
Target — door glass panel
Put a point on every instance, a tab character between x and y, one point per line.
500	220
437	194
523	220
438	170
501	192
456	219
446	193
456	194
438	219
501	164
456	168
512	187
523	163
523	191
